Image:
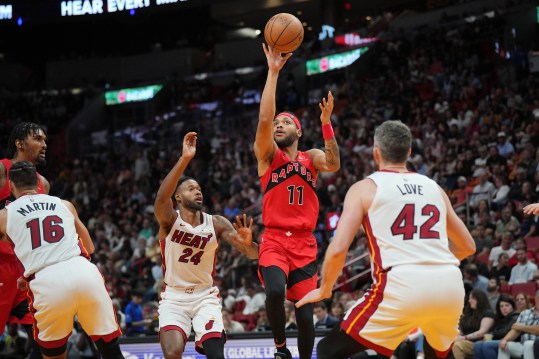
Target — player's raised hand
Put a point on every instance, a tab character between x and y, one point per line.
244	232
531	209
327	108
189	145
313	296
275	60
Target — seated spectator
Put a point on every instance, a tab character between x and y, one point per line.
478	281
528	226
506	223
523	271
337	310
324	320
504	247
505	148
231	326
81	345
484	190
506	316
526	325
460	195
518	244
254	300
476	320
493	292
290	314
134	321
500	194
502	271
262	322
522	302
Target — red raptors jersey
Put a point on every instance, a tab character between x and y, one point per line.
6	253
290	201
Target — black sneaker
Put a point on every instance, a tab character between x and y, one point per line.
283	353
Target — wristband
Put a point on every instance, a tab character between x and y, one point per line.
327	131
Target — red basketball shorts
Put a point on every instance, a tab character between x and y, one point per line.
13	302
295	253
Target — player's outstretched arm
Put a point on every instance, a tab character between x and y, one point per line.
265	147
81	229
328	161
531	209
163	208
461	243
239	234
351	219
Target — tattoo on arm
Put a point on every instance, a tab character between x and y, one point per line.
332	153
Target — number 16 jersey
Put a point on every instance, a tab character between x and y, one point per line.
406	222
42	230
189	254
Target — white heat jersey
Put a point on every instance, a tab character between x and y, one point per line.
189	254
406	223
42	230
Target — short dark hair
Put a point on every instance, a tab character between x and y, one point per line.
19	132
23	174
321	305
182	180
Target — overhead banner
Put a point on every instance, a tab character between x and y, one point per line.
135	94
333	62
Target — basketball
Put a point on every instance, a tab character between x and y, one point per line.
284	32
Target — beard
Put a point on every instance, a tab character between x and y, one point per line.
41	161
491	289
192	205
285	142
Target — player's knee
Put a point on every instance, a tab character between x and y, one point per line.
172	351
54	352
304	314
275	294
214	348
109	350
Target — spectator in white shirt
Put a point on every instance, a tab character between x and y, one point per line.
483	190
523	271
505	247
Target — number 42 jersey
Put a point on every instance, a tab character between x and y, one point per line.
189	254
406	223
42	231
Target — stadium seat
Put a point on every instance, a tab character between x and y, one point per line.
532	242
528	288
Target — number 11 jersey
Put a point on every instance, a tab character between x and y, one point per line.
189	254
406	222
290	200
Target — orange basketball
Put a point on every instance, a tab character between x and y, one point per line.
284	32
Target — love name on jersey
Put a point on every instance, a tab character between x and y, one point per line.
410	189
40	206
190	239
288	170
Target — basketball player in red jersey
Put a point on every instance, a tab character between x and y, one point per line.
288	249
26	143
